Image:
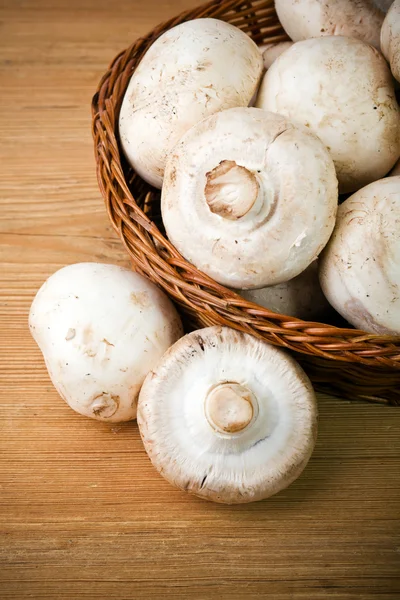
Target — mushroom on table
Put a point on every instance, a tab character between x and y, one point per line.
228	417
101	328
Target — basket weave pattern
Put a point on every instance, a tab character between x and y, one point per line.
343	361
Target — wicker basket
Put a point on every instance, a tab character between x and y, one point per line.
342	361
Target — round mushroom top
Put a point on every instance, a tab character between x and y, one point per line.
342	89
190	72
101	328
303	19
249	198
360	267
227	417
390	38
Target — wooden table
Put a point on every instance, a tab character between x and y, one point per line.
83	514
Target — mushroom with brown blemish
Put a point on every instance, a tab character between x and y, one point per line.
360	267
304	19
228	417
253	198
342	89
101	328
190	72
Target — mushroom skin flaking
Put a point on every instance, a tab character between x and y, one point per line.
227	417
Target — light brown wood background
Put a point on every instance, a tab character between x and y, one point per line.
83	514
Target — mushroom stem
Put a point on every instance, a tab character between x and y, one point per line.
231	190
229	407
104	405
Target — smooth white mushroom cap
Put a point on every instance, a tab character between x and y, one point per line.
101	328
271	52
342	89
249	198
228	417
360	267
300	297
390	38
303	19
190	72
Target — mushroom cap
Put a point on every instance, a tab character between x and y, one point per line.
190	72
249	198
342	89
303	19
271	52
228	417
390	38
300	297
101	328
360	267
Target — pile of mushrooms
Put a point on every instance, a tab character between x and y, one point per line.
251	148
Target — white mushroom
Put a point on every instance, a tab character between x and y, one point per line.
300	297
101	328
303	19
390	38
249	198
360	267
228	417
271	52
342	89
190	72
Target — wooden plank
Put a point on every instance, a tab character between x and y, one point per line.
82	512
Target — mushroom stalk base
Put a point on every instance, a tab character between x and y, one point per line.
231	190
229	407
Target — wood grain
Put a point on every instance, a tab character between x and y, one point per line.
82	513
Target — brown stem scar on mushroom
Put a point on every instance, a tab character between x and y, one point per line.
229	407
231	190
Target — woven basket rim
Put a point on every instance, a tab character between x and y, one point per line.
155	256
